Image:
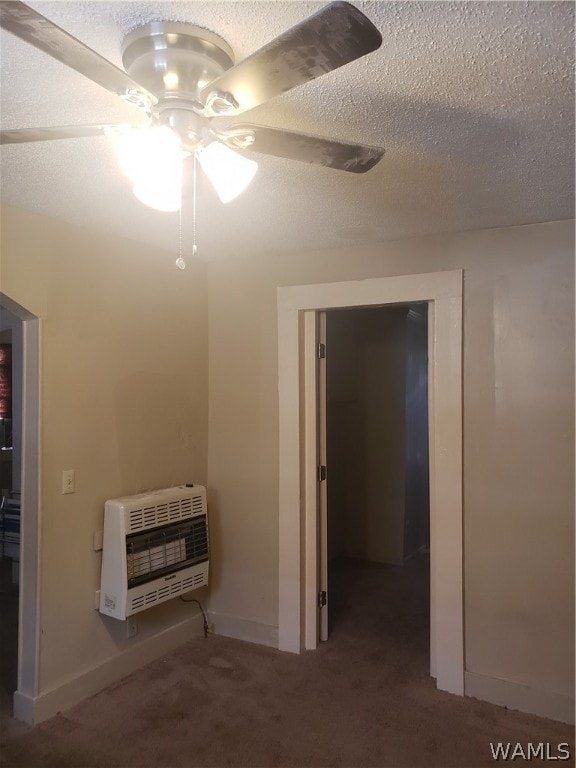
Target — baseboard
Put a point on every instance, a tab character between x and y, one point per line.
244	629
35	709
520	697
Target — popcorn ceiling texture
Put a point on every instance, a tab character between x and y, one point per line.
473	102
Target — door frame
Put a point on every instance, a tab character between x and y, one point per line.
29	572
298	566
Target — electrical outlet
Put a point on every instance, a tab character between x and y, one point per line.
68	481
97	600
97	542
131	626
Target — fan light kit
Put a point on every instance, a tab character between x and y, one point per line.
182	76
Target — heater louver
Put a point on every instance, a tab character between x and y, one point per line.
155	547
154	515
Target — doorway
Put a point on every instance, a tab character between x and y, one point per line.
10	495
19	547
298	307
377	521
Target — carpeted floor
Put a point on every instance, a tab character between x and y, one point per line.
363	699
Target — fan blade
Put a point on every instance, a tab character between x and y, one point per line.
24	135
336	35
356	158
29	25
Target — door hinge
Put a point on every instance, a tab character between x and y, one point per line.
321	472
321	351
322	598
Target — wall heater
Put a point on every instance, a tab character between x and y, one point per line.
155	547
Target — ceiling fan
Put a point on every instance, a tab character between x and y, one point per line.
182	76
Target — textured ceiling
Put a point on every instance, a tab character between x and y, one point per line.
473	102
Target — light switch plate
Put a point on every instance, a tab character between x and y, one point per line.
68	481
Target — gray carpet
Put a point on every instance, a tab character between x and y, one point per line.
363	699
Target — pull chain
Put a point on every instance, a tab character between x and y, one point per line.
180	263
194	248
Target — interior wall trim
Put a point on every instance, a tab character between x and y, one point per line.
443	291
523	698
36	709
244	629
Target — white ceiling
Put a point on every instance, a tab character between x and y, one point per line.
473	102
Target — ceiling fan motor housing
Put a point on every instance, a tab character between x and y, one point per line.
175	61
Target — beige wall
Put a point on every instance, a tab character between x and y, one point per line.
124	403
518	435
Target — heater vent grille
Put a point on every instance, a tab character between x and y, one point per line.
170	590
154	553
156	515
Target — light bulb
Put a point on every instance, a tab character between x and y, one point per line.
170	81
152	159
229	172
161	194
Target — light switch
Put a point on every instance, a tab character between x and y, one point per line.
68	481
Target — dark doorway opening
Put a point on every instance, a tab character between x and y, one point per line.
378	475
10	474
